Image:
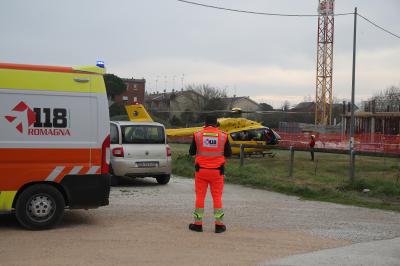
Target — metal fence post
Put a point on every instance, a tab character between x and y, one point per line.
291	161
241	154
352	165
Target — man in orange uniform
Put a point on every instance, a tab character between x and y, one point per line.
210	146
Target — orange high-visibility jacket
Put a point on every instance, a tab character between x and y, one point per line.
210	143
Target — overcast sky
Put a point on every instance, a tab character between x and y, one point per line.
270	59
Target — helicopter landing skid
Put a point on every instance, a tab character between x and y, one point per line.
270	154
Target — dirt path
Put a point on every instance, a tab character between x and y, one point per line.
146	224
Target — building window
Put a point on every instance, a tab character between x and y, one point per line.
135	99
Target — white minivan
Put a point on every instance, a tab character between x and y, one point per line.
139	149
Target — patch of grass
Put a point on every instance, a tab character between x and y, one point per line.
325	179
182	164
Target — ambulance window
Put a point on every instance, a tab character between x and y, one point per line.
114	134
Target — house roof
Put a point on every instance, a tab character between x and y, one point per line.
304	106
134	80
231	100
166	95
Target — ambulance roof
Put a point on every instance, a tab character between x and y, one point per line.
79	69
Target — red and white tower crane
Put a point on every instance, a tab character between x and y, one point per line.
324	87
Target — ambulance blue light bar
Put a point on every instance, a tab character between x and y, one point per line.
100	63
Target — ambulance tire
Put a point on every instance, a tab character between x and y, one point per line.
114	180
40	207
163	179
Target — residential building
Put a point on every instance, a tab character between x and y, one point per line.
175	102
135	90
243	102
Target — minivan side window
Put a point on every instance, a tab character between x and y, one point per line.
114	138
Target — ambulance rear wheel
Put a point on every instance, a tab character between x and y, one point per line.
39	207
114	180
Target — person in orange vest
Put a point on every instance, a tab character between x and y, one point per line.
210	146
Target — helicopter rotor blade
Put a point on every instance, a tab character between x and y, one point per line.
231	112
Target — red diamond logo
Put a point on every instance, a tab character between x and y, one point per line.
20	107
30	116
19	127
10	118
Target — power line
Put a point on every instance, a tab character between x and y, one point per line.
258	13
286	15
379	27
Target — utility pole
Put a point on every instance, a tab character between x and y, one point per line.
353	82
182	78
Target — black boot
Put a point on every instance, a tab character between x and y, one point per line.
196	227
220	228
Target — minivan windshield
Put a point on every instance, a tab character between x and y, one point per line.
142	134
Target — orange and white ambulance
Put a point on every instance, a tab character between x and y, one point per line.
54	141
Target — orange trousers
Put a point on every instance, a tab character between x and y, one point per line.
202	179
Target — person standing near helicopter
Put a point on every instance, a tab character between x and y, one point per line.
312	144
210	146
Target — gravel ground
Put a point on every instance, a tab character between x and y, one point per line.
146	224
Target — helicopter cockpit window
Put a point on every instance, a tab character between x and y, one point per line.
235	136
246	135
261	134
257	134
240	136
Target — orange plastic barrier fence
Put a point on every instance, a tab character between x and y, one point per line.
365	142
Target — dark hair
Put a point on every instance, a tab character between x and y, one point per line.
211	120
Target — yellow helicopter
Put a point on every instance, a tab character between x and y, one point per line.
239	130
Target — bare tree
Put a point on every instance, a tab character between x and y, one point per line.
387	100
285	105
207	98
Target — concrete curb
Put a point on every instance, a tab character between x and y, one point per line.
382	253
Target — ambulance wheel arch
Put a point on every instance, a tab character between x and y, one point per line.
40	205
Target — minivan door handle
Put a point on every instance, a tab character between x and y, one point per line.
81	80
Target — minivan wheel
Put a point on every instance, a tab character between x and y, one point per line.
39	207
163	179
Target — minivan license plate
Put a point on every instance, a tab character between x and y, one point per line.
147	164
